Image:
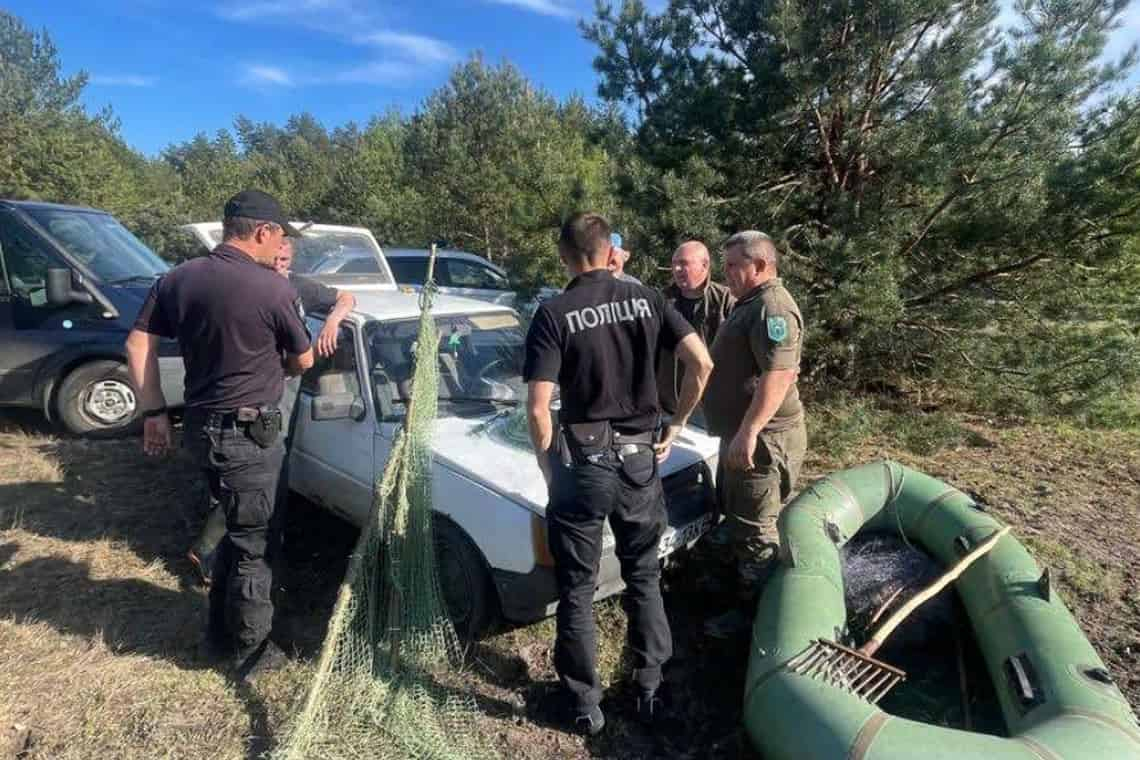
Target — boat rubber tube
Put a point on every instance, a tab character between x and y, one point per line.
1057	698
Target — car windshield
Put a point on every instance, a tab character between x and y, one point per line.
340	252
106	247
480	359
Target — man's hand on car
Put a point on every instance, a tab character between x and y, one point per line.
326	341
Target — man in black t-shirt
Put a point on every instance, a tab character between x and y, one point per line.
239	328
598	341
316	298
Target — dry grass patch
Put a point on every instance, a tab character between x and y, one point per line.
99	623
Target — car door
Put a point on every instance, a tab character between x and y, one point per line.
331	461
476	280
31	329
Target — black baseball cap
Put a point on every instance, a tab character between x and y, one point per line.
254	204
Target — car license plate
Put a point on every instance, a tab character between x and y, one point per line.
675	539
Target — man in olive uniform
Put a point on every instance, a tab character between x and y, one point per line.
703	303
753	404
240	331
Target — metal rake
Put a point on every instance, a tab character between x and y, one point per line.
856	670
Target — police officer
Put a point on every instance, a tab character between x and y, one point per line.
235	319
316	297
703	303
598	341
753	405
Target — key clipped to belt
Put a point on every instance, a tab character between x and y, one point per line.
265	427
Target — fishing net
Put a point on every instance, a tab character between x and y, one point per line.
387	683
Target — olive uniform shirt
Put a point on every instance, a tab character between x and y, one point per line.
706	313
764	332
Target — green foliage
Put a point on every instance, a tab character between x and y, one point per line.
500	164
934	181
957	203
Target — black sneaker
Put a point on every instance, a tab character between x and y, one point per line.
265	659
590	723
649	707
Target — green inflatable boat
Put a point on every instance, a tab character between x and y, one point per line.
1056	696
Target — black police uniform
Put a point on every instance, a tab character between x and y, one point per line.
233	319
315	297
599	342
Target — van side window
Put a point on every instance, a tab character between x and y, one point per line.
25	261
336	373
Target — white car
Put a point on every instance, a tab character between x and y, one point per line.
489	496
344	257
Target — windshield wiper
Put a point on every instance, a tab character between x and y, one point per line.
133	278
496	402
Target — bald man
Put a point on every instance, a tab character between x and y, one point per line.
704	303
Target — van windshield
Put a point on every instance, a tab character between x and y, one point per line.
480	358
104	246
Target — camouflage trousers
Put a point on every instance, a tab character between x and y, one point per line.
752	501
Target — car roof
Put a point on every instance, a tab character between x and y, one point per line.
45	205
387	305
441	253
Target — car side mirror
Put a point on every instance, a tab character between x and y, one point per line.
60	291
338	406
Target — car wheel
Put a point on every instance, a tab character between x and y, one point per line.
464	581
97	397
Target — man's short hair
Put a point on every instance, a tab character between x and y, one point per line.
240	227
755	245
585	236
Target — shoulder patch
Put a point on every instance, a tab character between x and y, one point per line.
777	328
300	309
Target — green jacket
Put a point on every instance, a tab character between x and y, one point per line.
710	312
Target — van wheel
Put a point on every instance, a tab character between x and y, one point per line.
464	580
97	397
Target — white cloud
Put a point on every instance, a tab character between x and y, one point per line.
282	10
123	80
403	55
417	47
377	72
260	74
544	7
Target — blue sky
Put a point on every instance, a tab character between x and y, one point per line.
173	69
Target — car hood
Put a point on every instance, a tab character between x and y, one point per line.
496	453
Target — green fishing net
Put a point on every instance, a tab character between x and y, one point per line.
388	681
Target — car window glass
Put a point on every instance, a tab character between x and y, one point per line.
26	260
409	270
98	240
333	374
360	266
470	274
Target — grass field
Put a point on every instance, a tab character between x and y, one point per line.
100	621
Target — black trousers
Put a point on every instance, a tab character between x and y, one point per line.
243	479
582	498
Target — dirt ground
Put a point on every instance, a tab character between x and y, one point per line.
100	619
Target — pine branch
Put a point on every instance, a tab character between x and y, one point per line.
974	279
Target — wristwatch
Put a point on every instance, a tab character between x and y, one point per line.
154	412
